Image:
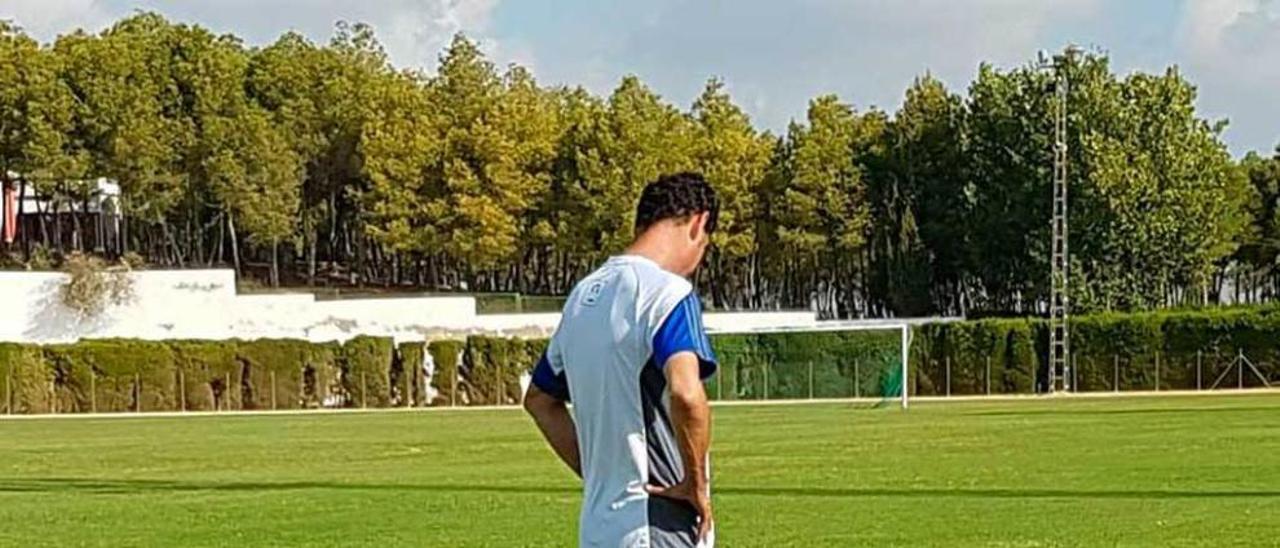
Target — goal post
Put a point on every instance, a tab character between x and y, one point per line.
864	360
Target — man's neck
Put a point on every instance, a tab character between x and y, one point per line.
651	248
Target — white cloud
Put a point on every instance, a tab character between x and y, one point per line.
46	19
1232	48
413	31
775	56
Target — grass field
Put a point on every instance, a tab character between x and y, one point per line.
1170	471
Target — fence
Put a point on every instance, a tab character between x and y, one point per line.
1154	372
282	375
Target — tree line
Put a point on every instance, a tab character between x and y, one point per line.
322	164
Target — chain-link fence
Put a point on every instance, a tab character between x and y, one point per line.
1146	372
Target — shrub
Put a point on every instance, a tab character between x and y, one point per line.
407	374
26	381
113	375
366	371
275	373
446	356
210	375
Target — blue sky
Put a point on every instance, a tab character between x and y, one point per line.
776	55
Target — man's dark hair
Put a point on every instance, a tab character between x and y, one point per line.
674	197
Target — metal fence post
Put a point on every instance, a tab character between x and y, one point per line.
987	377
1157	371
948	376
226	392
364	392
1240	369
857	379
8	391
1198	370
273	390
182	391
93	392
137	387
1115	366
766	380
810	379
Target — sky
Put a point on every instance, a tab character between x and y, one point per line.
776	55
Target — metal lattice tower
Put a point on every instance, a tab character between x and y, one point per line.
1059	301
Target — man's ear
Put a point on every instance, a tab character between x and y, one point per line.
697	225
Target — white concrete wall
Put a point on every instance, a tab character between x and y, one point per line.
203	304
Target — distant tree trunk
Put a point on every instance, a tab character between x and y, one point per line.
216	252
312	237
57	225
275	263
235	246
173	243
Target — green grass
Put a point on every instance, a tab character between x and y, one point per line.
1190	471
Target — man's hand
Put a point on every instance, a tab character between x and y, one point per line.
691	420
695	495
553	419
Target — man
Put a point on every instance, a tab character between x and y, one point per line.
631	353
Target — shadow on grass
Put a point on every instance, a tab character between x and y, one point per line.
143	486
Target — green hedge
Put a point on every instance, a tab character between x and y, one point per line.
1005	356
210	375
113	375
446	356
287	373
492	367
1001	352
116	375
26	385
1182	350
407	374
366	371
799	365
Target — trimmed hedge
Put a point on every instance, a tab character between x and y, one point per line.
406	374
113	375
493	367
210	375
1004	347
26	385
286	373
799	365
366	371
1180	350
446	355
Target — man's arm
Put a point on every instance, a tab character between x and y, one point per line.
691	419
553	419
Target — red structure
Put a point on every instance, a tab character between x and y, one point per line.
9	220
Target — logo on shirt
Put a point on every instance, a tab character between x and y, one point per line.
592	295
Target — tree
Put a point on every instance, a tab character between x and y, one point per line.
36	119
823	215
1258	258
922	203
399	147
499	136
638	139
729	152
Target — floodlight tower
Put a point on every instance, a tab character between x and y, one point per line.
1059	258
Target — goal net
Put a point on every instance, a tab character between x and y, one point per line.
864	361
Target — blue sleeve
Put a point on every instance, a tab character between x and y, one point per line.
682	331
549	381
